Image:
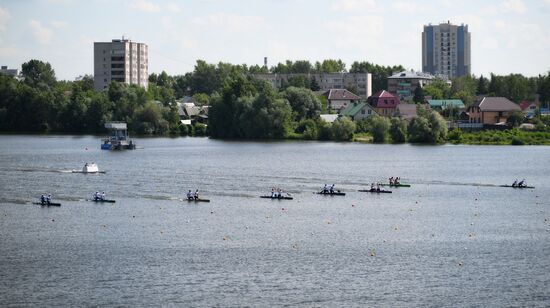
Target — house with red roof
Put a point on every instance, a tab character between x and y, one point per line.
491	110
384	103
340	98
528	108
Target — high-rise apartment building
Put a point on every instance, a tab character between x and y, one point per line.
446	50
120	60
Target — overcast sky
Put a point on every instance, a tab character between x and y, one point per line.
508	36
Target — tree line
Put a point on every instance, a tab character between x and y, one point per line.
515	87
241	106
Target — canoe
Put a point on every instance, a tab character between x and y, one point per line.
336	193
102	201
398	185
376	191
517	186
47	204
197	200
279	198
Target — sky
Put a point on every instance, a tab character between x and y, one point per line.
508	36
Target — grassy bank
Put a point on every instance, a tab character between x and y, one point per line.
506	137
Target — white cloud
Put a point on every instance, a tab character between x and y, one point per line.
357	31
4	17
232	22
547	2
59	24
42	33
145	6
514	6
354	5
404	6
173	7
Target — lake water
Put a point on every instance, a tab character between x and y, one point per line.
453	239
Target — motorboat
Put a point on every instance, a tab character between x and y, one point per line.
89	168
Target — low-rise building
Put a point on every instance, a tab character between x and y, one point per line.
9	71
404	84
440	104
491	110
406	111
528	108
384	103
358	111
361	82
338	99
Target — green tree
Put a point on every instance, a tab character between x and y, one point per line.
379	128
515	119
304	103
342	129
201	99
418	95
482	85
313	85
398	130
466	97
38	74
430	128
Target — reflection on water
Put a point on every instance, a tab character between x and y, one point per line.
453	238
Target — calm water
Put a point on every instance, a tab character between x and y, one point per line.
451	239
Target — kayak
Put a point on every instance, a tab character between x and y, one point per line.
47	204
398	185
197	200
102	201
517	186
279	198
336	193
376	191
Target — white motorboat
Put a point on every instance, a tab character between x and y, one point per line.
89	168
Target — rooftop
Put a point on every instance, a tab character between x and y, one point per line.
411	74
341	94
496	104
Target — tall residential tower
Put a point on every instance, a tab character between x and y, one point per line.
122	61
446	50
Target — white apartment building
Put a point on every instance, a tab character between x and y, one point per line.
120	60
446	50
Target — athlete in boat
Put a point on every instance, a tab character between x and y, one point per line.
391	181
515	183
332	189
189	195
522	183
196	196
43	199
325	189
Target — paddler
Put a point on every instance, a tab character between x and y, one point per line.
396	181
522	183
49	199
371	186
515	183
332	189
196	196
43	199
325	189
189	195
391	181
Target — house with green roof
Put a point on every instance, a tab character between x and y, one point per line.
358	111
446	103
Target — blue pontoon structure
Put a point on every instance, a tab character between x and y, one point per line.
118	139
